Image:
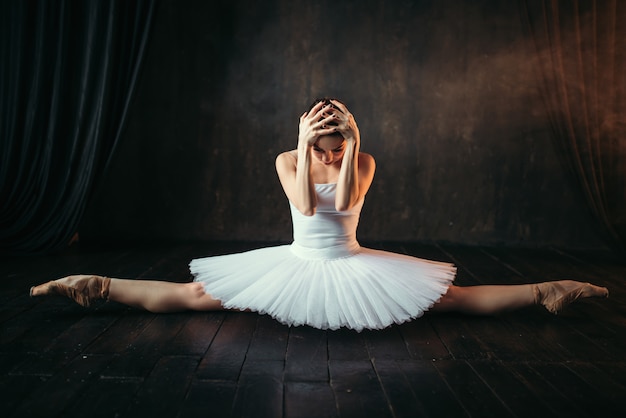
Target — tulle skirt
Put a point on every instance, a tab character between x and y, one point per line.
367	288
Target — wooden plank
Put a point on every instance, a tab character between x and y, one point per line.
34	328
71	342
422	341
615	370
269	341
507	340
397	389
55	396
345	344
307	356
142	354
604	264
430	389
309	400
260	390
555	402
481	266
225	357
585	398
15	391
457	334
607	393
121	334
138	260
358	392
196	334
43	363
9	360
164	390
46	344
386	343
470	389
435	253
104	397
172	264
512	390
209	398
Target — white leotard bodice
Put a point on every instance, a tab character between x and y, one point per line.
329	233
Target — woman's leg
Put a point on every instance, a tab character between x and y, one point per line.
162	296
492	299
152	295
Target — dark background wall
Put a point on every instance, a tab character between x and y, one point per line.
444	93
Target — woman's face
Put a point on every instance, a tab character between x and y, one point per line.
329	149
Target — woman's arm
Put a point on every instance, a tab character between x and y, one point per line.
295	173
357	169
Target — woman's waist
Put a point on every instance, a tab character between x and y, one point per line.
325	252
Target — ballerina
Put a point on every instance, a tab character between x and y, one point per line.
324	278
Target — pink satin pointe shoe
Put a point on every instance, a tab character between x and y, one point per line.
554	296
83	289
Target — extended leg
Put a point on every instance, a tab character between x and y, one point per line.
152	295
485	300
491	299
161	296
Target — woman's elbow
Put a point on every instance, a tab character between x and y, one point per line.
344	206
307	211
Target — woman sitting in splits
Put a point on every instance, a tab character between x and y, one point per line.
324	278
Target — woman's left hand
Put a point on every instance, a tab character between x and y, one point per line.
346	125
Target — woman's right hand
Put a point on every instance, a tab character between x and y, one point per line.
315	123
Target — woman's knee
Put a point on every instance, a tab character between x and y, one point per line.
194	289
199	300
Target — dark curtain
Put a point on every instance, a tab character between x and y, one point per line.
581	60
68	73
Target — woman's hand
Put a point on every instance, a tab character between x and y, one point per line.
346	124
315	123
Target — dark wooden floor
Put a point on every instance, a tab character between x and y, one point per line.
58	359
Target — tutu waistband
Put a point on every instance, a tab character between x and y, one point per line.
326	253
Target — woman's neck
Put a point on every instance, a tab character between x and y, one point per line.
323	174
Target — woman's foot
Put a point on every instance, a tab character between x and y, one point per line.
83	289
556	295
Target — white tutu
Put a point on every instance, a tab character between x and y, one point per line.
325	279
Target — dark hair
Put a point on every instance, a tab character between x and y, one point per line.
326	100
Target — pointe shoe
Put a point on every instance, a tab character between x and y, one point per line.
554	296
83	289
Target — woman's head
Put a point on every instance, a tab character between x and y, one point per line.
329	149
328	101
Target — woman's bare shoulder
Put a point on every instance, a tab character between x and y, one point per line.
365	158
286	160
291	155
